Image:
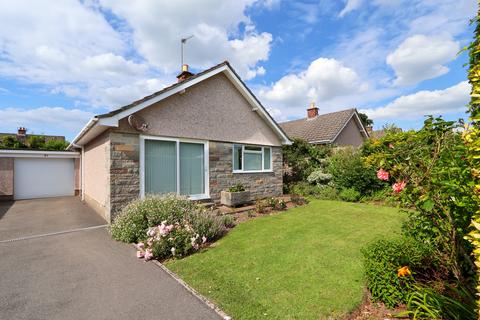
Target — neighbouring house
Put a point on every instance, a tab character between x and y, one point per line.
197	137
27	173
341	128
22	136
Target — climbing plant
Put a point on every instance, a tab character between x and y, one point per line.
471	137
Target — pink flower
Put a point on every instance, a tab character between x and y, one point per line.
140	254
391	146
151	232
140	245
399	186
148	254
383	175
204	239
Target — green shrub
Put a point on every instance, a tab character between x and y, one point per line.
228	221
304	189
276	204
298	200
56	145
237	188
384	258
131	224
348	170
261	206
350	195
327	193
454	303
136	218
319	177
208	224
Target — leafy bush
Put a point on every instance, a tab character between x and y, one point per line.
304	189
327	193
208	224
56	145
302	158
298	200
350	195
455	303
276	204
348	170
319	177
385	195
132	224
237	188
392	265
261	206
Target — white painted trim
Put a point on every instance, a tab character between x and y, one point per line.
82	175
206	159
252	151
38	154
257	107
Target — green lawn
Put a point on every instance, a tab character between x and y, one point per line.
304	263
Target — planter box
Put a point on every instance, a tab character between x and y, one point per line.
233	199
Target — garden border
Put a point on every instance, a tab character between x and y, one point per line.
194	292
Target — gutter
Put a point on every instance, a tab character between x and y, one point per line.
85	129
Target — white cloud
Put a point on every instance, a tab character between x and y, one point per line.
324	79
158	26
350	6
48	120
72	48
420	58
425	102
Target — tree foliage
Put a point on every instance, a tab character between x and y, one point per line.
471	138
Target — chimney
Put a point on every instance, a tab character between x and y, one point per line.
312	111
22	134
185	74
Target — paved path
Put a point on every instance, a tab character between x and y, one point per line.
82	274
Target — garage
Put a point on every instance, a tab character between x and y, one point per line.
43	178
28	174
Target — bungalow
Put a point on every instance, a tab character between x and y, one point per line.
341	128
197	137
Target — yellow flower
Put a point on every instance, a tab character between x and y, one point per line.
403	271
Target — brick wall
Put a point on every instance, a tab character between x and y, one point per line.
124	170
260	185
6	178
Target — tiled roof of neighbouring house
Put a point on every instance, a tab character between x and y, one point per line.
323	128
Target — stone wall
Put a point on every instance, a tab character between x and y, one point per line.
124	170
6	178
260	185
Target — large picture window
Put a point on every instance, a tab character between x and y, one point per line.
251	158
174	166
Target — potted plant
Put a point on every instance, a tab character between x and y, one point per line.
235	196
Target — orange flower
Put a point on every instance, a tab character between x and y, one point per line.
403	271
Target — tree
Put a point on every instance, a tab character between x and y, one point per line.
367	122
471	138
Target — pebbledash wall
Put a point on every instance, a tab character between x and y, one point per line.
123	186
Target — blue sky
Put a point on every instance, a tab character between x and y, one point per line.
396	60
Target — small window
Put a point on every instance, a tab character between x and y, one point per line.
237	157
251	158
266	159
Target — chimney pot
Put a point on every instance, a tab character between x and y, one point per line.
22	131
185	74
312	111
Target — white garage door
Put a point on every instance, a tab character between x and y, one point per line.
41	178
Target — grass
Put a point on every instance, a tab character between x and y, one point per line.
304	263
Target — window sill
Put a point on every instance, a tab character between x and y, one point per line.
254	171
198	197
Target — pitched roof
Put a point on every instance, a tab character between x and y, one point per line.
101	122
168	88
323	128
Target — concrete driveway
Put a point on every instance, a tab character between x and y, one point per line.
81	274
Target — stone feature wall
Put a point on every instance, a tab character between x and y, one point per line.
124	170
6	178
260	185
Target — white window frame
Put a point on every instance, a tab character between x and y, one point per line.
177	141
251	151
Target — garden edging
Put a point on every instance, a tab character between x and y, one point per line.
197	295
